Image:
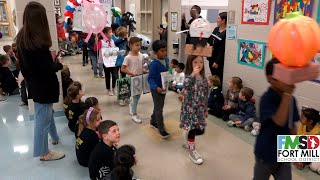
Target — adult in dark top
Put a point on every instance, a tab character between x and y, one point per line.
216	61
163	32
195	14
39	70
274	117
101	158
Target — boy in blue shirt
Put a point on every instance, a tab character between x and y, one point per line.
157	66
274	116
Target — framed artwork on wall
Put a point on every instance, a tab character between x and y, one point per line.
251	53
57	2
256	12
284	6
57	11
318	17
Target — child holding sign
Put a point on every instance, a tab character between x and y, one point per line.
133	66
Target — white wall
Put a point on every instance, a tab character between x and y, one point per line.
306	92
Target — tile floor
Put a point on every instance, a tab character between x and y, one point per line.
227	152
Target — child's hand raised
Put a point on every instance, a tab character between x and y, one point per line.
196	71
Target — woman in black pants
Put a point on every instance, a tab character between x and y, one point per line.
216	62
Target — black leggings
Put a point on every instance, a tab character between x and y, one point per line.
84	53
195	132
114	73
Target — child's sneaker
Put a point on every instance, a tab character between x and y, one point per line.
255	132
102	76
52	155
136	119
231	123
110	93
95	76
153	125
195	157
248	128
164	134
121	102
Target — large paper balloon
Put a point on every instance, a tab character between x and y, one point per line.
295	40
95	18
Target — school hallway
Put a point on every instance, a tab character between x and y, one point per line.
227	152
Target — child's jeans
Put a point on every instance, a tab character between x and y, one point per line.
234	118
157	115
134	103
263	170
96	65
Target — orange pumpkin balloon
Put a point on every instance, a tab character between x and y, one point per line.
295	40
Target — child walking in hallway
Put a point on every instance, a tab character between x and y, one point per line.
157	66
194	106
133	66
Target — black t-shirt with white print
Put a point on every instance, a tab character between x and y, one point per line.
101	161
85	144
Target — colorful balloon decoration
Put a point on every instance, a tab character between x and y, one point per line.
95	20
116	12
70	8
295	40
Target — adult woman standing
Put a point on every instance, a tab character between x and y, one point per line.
39	70
216	62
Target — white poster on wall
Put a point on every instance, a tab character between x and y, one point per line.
107	7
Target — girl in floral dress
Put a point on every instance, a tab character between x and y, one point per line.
194	106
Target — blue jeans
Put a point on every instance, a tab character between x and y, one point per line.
134	103
44	124
96	65
263	170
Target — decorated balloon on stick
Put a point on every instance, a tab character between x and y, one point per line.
200	31
95	19
295	41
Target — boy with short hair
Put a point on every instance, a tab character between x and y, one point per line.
216	99
274	117
157	66
101	158
12	66
246	110
178	77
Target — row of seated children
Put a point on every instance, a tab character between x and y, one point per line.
237	107
10	69
96	139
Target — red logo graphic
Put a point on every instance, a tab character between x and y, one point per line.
313	142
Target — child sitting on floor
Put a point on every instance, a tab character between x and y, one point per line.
178	78
101	158
216	100
8	82
309	125
88	138
232	98
246	110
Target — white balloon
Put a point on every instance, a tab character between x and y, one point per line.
79	1
106	54
145	56
114	52
122	52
